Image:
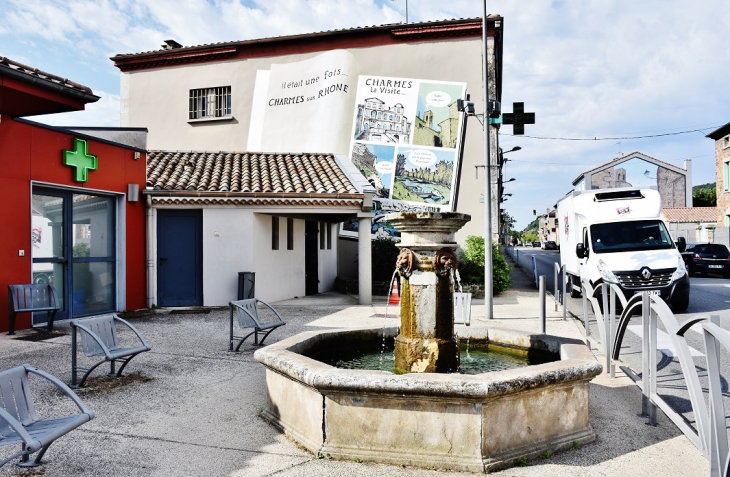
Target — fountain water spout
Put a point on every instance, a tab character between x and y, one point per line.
426	342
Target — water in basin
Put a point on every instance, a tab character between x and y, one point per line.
475	358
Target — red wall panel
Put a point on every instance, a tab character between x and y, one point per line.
32	153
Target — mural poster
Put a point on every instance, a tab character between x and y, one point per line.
405	141
301	106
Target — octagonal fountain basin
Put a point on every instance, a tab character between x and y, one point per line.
477	423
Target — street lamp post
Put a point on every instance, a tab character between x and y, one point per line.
488	299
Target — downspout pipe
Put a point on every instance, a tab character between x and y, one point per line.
151	247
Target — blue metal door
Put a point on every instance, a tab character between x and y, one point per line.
180	257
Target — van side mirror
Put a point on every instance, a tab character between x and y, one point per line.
580	250
681	244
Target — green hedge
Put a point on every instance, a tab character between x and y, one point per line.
471	265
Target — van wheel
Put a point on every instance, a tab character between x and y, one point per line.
574	292
681	304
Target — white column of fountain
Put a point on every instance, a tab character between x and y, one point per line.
364	251
426	342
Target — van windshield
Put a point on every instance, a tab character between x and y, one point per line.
630	236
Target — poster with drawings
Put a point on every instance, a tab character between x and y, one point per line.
406	142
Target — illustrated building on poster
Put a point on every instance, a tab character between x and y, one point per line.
444	134
376	122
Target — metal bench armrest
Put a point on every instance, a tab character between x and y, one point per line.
31	444
82	407
136	332
281	320
99	341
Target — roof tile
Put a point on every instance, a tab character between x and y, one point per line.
690	214
246	173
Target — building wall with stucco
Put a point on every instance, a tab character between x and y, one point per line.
722	167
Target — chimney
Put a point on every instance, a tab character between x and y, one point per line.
688	182
171	45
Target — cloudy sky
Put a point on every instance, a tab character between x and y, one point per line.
605	70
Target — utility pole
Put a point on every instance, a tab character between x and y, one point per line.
488	299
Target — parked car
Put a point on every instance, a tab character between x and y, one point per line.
549	245
528	244
536	244
704	258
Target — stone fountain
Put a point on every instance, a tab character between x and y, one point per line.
429	416
426	343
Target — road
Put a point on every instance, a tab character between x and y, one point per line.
708	296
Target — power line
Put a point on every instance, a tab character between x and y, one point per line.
608	138
533	161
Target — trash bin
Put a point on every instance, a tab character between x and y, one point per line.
246	285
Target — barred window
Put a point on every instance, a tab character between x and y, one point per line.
208	103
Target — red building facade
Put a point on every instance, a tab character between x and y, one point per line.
70	215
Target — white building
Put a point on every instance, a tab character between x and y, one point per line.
203	98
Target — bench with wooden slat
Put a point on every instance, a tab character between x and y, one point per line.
99	337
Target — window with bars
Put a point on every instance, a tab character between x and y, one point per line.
210	103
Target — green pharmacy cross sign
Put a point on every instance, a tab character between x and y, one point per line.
518	118
80	159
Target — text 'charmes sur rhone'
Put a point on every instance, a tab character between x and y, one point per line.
307	82
377	85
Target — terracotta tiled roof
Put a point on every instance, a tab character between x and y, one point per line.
29	70
690	214
246	173
398	28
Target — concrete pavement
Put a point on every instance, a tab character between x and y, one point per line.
189	407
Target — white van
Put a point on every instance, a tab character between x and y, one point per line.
618	236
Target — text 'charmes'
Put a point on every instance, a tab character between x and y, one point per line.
387	86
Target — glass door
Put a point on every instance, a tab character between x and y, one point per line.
48	233
93	244
74	248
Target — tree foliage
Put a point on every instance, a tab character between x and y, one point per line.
704	195
384	254
530	237
471	265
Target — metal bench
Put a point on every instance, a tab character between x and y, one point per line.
34	297
99	338
248	316
19	422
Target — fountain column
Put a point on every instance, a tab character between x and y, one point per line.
426	343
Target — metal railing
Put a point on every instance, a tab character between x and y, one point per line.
559	294
653	310
717	439
709	434
605	314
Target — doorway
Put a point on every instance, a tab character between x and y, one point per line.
73	238
179	257
311	258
